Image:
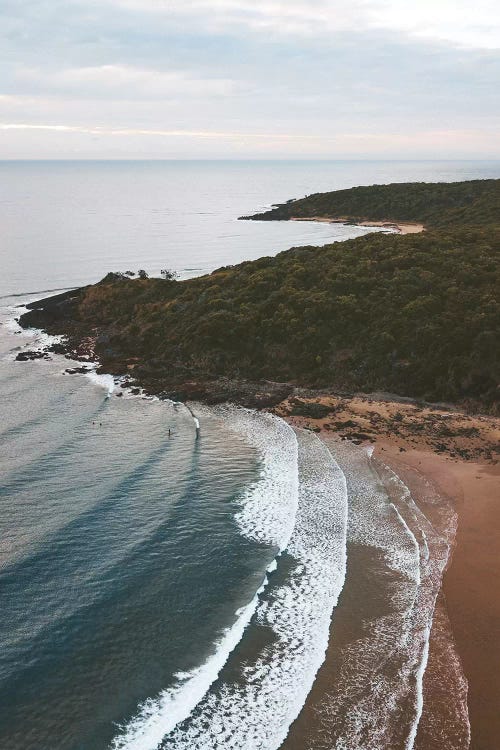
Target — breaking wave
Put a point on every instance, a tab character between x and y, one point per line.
376	699
299	505
103	381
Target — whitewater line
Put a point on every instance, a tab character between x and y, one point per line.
431	566
410	742
308	518
41	339
420	672
35	294
257	710
157	717
278	486
411	535
103	381
269	506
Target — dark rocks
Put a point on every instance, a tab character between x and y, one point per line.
44	313
58	348
361	437
253	395
26	356
440	447
309	409
348	423
77	370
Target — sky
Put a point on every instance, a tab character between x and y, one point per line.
402	79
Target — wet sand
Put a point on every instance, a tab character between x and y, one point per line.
453	454
472	581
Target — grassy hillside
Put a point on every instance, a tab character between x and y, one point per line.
417	315
472	203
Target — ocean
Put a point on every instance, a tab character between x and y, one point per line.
159	590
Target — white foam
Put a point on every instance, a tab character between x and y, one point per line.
376	699
195	419
269	506
157	717
402	559
39	340
419	679
257	711
277	488
13	326
103	381
432	568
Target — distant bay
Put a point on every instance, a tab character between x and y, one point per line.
68	223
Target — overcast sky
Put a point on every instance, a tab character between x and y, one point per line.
250	78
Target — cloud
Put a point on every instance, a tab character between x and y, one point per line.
465	23
310	141
99	130
294	16
456	21
124	81
234	76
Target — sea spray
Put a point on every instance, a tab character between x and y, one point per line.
196	421
40	340
103	381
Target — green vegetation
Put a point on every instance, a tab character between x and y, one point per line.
473	203
417	315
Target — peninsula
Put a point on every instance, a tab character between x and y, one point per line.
414	315
355	340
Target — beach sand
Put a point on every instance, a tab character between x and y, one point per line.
406	228
455	455
471	582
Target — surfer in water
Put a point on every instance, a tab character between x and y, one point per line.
195	420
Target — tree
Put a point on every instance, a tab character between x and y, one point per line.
142	274
168	274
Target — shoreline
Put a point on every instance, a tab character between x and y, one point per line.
407	227
470	584
454	452
463	642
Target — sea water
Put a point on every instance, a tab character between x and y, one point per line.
154	587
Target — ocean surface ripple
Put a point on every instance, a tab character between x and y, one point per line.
152	581
265	682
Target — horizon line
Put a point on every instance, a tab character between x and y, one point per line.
248	159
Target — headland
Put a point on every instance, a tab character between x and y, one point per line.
389	340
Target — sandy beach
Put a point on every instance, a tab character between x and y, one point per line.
406	228
455	455
470	584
